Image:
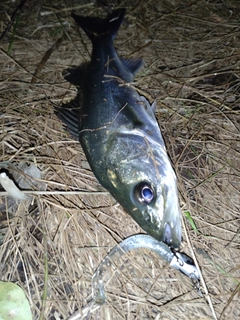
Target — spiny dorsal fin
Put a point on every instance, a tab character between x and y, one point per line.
76	75
69	114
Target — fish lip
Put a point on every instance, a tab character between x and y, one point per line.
167	237
172	236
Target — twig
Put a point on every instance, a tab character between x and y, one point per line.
207	296
3	193
17	11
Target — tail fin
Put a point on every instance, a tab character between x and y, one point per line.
96	28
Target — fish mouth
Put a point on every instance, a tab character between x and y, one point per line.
172	235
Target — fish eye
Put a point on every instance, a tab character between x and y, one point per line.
144	192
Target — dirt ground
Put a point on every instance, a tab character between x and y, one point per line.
52	245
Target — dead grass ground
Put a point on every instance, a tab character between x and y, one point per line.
52	246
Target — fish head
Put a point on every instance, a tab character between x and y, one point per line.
143	181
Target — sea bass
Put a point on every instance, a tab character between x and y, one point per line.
119	134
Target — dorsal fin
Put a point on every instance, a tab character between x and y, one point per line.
69	114
76	75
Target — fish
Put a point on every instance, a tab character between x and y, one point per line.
119	133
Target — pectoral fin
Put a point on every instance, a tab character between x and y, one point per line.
130	112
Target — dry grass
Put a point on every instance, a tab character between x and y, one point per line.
52	246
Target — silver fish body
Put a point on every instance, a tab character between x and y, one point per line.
119	133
